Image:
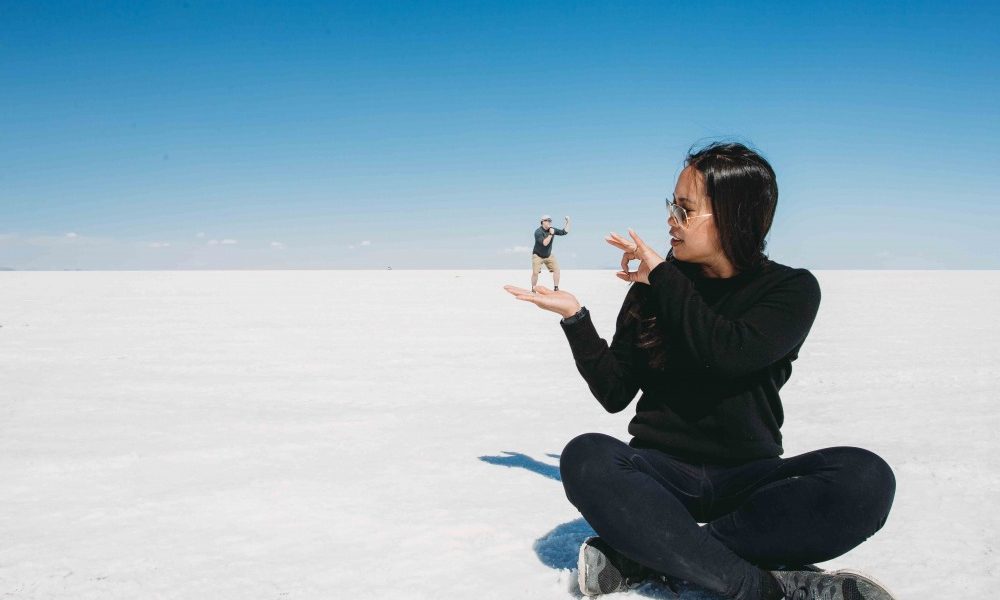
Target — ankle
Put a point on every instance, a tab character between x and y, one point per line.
770	588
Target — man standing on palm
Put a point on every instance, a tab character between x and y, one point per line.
542	252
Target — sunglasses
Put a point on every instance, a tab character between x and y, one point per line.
680	214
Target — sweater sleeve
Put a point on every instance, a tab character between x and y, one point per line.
774	326
608	370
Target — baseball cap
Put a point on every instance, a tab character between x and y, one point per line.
546	218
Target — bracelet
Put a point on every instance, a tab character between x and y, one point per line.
575	317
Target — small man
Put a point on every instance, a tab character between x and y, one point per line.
542	252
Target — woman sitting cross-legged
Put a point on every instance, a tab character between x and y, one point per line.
709	334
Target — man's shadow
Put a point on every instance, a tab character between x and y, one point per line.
559	548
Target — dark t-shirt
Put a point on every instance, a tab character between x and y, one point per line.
728	346
541	249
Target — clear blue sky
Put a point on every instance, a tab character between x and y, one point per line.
433	135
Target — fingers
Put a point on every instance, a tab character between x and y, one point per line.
539	289
639	244
528	297
522	294
615	242
514	290
643	252
628	254
619	242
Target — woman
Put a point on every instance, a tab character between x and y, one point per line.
709	334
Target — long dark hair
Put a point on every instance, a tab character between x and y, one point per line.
744	194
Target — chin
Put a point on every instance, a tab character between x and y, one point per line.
688	257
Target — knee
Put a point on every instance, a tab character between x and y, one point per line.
581	460
578	453
871	482
870	472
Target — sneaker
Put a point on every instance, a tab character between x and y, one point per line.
833	585
557	288
604	570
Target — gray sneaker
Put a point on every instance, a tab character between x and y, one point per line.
604	570
835	585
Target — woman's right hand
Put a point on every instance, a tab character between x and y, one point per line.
562	303
634	249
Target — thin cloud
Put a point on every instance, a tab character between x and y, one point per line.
225	242
278	245
159	244
517	250
66	239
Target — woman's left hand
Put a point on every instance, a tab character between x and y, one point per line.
634	249
562	303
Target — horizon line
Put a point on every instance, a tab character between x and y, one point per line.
613	269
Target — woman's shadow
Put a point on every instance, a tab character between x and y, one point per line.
560	547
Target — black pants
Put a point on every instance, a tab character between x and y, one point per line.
767	513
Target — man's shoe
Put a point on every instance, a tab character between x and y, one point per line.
604	570
557	288
835	585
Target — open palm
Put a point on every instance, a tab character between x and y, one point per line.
562	303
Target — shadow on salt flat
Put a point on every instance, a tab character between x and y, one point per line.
523	461
559	548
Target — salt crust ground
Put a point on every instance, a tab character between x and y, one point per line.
363	434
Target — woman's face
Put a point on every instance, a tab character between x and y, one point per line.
699	242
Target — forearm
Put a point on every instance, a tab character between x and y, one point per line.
607	374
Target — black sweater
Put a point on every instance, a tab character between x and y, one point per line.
728	346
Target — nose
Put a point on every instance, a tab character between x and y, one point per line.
672	221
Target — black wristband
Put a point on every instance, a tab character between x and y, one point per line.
575	317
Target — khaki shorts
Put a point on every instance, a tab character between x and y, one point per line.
538	261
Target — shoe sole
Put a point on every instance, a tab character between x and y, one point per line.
581	574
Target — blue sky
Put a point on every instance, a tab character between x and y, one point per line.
432	135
